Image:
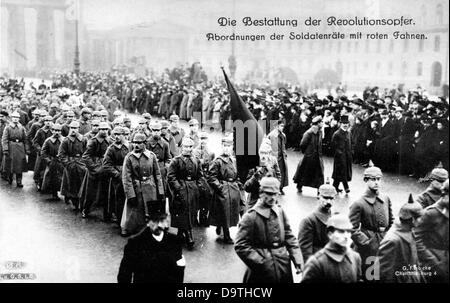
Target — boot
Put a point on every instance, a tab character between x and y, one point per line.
19	180
10	179
226	236
55	196
189	239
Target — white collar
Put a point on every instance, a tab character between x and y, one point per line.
158	238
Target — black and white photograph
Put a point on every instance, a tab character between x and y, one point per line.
224	141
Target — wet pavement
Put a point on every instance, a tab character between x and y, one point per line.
57	245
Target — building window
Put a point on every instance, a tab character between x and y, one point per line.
419	68
421	43
390	68
424	14
404	69
439	14
437	43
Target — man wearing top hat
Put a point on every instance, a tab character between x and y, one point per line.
342	148
15	148
312	232
310	169
265	242
398	250
336	262
371	216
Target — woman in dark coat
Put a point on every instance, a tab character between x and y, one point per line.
342	165
227	196
310	169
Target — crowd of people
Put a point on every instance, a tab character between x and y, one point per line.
76	136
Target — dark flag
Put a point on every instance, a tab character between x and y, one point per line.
247	133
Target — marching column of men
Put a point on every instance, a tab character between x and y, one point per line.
136	175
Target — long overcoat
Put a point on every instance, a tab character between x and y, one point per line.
14	141
342	147
51	180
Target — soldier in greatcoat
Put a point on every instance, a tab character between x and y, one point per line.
3	123
15	148
35	126
433	192
143	186
167	136
53	171
371	216
37	142
183	176
176	131
70	152
265	242
95	184
113	166
398	250
312	232
278	142
223	179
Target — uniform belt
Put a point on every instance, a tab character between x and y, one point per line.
143	179
190	178
229	180
16	140
377	230
273	245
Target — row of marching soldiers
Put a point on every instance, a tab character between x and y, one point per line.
129	172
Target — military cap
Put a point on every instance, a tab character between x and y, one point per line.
193	122
36	112
48	118
445	187
95	122
86	110
269	185
74	124
104	113
65	107
398	109
54	105
373	172
70	113
155	125
165	124
204	135
126	131
126	119
103	125
117	113
96	113
142	121
227	140
44	103
411	209
57	126
174	118
439	174
146	116
340	221
15	114
316	120
117	121
187	142
43	113
139	138
118	130
327	190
